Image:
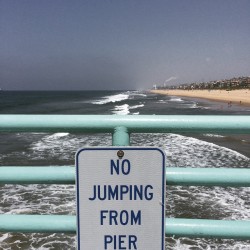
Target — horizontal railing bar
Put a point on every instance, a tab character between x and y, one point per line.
179	227
37	223
37	175
200	228
134	124
228	177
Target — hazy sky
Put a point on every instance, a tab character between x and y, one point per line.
121	44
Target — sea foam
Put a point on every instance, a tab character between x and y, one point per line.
125	109
111	99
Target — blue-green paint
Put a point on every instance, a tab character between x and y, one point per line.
37	223
179	227
226	177
134	124
199	228
120	137
37	175
121	127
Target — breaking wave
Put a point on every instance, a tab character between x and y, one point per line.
125	109
175	99
111	99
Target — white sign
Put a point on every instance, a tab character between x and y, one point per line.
120	198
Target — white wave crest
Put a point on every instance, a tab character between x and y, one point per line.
125	109
175	99
136	93
57	135
111	99
137	106
214	135
121	109
194	106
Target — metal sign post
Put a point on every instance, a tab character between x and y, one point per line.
120	198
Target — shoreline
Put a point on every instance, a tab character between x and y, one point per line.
238	97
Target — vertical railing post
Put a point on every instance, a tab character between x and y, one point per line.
121	137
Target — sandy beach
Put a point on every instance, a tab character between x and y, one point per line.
240	97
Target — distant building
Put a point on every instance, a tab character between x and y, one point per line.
233	83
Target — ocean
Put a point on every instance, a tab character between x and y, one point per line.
182	150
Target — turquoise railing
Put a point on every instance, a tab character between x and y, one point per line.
121	127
